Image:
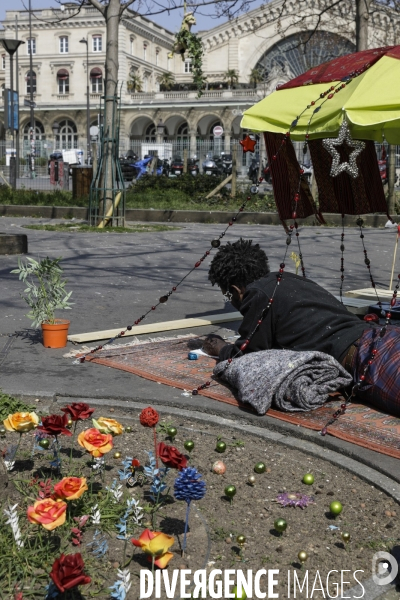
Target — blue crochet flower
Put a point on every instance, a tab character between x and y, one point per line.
187	485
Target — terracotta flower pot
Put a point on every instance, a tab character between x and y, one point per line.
55	336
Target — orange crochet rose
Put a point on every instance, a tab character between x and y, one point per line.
95	442
48	512
70	488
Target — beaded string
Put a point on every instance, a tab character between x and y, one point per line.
367	261
261	318
214	244
342	249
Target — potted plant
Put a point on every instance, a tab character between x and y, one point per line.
45	293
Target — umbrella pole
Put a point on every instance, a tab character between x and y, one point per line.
394	256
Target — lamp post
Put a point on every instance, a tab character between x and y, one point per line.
85	41
11	46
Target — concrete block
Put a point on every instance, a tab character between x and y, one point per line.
13	244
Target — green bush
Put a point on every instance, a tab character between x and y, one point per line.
39	198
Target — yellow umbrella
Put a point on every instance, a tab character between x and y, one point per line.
370	101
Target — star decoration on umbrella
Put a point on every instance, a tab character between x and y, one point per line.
330	145
248	144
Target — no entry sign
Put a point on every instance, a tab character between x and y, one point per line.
218	131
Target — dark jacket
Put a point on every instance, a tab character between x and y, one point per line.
303	316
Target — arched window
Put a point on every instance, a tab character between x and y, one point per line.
150	135
67	138
30	79
96	80
39	131
63	81
182	136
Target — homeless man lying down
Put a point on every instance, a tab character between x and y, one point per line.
303	316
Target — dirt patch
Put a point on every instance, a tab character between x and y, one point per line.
369	515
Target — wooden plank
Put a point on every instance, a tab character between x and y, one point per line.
219	187
156	327
370	294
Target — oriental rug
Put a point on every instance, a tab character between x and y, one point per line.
166	362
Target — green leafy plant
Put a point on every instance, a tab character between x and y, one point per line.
192	45
10	405
45	291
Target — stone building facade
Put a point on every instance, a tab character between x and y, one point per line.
253	41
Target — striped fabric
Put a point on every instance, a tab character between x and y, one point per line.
381	387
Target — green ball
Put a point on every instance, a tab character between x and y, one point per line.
188	445
44	443
280	525
260	467
241	540
171	432
243	596
335	507
220	447
308	479
128	429
230	491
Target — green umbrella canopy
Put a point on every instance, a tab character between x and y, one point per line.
363	87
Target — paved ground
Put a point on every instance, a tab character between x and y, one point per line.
115	277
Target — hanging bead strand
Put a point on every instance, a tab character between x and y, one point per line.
360	223
342	248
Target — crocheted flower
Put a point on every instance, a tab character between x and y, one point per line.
188	486
149	417
294	499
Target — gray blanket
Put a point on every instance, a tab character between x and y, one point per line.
284	379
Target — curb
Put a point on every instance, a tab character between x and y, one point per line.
185	216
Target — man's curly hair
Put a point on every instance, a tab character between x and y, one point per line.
239	264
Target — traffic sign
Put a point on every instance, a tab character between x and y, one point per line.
218	131
29	103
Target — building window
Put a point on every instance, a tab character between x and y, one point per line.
31	46
132	45
187	66
157	57
63	81
63	44
68	136
97	43
30	79
144	51
96	80
145	83
3	62
168	62
39	131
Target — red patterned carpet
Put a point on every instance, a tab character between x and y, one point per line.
166	362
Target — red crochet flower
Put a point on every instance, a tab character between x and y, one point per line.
67	572
171	457
149	417
55	424
78	411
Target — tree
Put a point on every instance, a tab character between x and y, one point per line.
134	83
166	80
256	76
231	76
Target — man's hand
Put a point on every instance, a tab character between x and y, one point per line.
213	344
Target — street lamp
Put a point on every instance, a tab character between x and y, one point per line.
85	41
55	128
11	46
